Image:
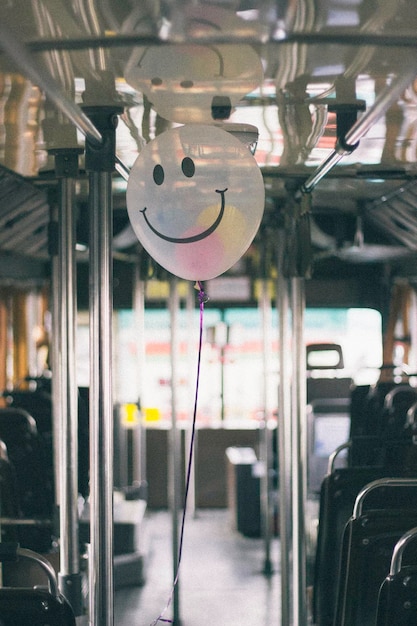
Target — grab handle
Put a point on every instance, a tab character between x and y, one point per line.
10	551
382	482
397	555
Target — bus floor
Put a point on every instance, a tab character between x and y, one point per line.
221	576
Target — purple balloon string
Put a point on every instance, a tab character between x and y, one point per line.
203	298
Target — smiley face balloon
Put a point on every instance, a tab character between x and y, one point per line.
195	199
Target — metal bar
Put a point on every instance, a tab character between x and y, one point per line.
353	38
101	407
139	309
383	102
284	440
298	451
25	61
122	168
397	555
44	564
335	454
174	458
55	358
265	433
376	484
192	493
69	574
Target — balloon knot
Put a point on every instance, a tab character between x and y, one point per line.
202	296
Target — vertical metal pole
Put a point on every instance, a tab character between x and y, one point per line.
299	451
265	443
192	494
100	165
67	397
284	444
101	407
56	340
140	439
174	443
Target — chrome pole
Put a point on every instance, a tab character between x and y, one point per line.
388	96
299	451
284	439
101	406
67	396
99	163
192	493
26	62
265	442
139	307
174	460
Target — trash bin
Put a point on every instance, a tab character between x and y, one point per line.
243	488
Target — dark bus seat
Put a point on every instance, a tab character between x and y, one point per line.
368	542
25	606
396	455
19	432
397	599
9	505
321	388
37	403
394	412
27	497
392	441
338	494
367	402
326	357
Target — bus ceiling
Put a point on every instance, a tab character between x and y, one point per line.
335	111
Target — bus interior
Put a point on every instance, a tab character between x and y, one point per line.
276	384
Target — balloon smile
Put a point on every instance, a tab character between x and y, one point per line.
193	238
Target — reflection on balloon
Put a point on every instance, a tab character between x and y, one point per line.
195	199
194	83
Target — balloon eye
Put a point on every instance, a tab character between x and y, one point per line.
158	174
188	167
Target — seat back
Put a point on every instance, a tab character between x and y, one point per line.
33	606
397	599
367	547
337	498
19	433
9	504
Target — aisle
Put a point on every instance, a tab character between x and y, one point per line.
221	581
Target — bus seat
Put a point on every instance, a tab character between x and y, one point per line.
368	542
37	403
25	606
367	404
19	433
338	493
397	599
394	413
9	505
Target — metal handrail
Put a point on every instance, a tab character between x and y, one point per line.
382	482
45	565
334	455
397	555
383	102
